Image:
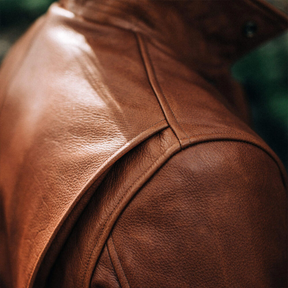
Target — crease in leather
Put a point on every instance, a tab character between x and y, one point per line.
117	263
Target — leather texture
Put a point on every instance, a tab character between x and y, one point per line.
127	157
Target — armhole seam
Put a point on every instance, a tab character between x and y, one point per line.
116	263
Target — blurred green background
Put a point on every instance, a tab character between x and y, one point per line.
263	73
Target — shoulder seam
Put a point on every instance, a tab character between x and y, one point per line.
140	181
117	266
177	129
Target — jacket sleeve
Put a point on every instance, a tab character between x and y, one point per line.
213	216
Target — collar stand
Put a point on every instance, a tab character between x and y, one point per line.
208	35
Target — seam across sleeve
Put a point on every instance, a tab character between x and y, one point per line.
213	216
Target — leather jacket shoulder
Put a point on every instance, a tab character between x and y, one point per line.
124	163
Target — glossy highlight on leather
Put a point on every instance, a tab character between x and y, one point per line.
126	153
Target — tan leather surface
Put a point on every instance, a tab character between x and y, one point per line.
95	101
183	230
105	275
111	198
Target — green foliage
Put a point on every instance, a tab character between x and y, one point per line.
264	75
15	11
26	5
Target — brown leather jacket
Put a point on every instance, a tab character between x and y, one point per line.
126	158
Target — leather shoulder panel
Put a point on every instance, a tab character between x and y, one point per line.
115	193
213	216
68	116
195	110
79	102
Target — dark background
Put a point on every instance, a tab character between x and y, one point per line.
263	73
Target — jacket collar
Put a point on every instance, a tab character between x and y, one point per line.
208	35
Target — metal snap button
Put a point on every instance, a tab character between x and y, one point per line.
250	29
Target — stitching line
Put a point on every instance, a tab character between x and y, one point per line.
152	68
111	263
116	206
34	267
146	52
114	248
